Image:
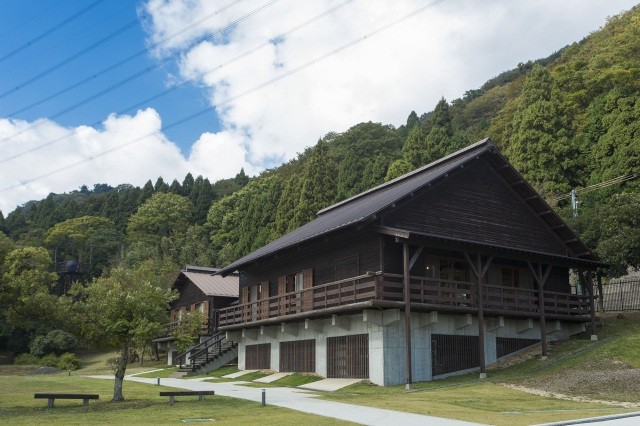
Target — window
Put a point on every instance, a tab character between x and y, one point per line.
299	281
431	266
295	282
454	270
510	277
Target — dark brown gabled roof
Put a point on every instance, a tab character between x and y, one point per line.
366	205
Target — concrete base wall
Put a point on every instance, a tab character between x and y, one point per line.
386	331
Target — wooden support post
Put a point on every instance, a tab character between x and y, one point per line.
480	270
407	314
541	279
600	292
594	331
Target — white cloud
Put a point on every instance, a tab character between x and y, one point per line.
444	51
136	151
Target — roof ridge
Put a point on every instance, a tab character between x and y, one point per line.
487	141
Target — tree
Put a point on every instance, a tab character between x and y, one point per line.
175	188
188	330
119	310
318	183
397	169
414	149
540	147
159	220
160	185
147	192
6	246
25	289
88	239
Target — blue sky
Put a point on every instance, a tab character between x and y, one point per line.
221	53
22	21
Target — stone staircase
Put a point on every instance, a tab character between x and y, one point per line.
208	355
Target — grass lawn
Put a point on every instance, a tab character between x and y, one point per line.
143	405
470	399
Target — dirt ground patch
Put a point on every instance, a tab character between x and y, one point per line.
551	394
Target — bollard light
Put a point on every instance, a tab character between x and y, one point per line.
264	397
69	372
158	381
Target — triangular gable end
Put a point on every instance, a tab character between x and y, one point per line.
475	204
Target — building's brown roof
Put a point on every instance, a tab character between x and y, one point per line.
367	205
210	283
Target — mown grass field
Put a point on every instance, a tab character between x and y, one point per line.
143	405
607	370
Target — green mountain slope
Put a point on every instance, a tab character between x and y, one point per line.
566	122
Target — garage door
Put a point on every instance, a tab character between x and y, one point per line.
257	357
298	356
348	357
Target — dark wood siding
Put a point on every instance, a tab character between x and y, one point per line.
189	294
476	205
558	280
327	260
257	357
298	356
348	357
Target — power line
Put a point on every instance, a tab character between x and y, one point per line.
49	70
159	133
138	73
80	53
189	80
599	185
49	31
26	21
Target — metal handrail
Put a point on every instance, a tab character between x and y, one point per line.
203	348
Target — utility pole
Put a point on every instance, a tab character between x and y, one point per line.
574	203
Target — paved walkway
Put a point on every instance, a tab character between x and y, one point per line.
300	400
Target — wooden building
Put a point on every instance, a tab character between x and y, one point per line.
440	271
199	289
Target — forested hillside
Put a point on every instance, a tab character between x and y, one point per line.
566	122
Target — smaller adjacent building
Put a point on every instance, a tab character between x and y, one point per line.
200	289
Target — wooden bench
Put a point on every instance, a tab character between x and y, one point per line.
53	396
172	394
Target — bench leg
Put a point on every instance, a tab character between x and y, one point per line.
172	399
50	402
201	397
85	401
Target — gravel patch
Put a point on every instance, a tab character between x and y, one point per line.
43	370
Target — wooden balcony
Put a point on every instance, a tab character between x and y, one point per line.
386	290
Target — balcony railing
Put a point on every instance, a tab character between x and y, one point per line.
435	294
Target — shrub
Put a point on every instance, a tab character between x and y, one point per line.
61	341
68	361
50	360
26	359
40	346
55	342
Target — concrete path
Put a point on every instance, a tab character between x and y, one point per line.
330	385
305	401
238	374
627	419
